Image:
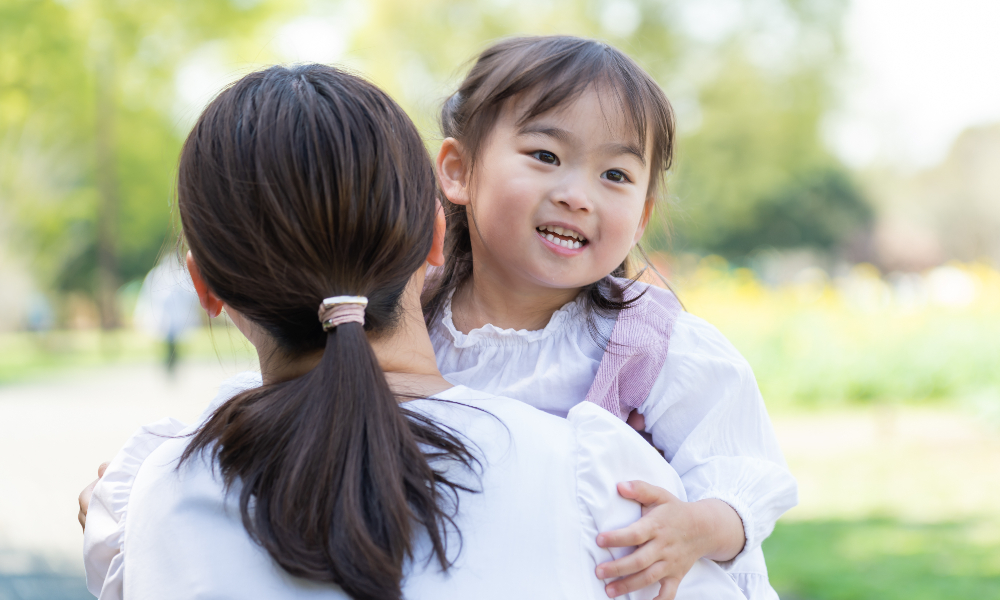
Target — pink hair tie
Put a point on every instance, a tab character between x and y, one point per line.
338	310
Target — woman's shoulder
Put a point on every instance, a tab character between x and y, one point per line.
601	448
479	415
610	451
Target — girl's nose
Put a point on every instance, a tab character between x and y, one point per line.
574	196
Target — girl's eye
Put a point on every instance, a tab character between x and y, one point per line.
546	157
616	176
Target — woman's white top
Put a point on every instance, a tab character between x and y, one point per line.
547	488
705	411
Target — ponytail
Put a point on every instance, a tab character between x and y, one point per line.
335	470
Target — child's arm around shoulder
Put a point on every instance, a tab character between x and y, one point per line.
612	458
706	413
107	507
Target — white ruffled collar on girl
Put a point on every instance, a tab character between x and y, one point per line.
492	335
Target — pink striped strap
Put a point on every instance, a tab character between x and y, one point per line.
636	351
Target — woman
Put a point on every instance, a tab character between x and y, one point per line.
349	467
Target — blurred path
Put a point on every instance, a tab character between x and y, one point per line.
54	434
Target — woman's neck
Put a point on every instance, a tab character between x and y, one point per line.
484	300
405	354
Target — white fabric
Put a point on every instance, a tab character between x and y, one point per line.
547	489
704	412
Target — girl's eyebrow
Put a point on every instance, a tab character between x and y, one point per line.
553	132
562	135
617	149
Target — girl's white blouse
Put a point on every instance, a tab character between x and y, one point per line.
704	412
547	488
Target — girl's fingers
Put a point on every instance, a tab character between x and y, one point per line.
636	534
639	560
637	581
84	500
101	469
644	493
668	588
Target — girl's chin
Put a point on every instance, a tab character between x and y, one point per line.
560	282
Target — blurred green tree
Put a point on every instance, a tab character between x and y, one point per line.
88	133
751	81
756	172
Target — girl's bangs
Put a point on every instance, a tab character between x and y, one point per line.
551	89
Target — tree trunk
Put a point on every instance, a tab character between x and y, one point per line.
107	183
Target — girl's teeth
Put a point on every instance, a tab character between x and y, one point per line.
548	232
560	231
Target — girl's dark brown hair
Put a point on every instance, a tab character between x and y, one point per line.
297	184
546	73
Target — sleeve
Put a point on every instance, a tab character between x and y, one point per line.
608	452
104	535
706	413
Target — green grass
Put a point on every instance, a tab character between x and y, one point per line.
884	559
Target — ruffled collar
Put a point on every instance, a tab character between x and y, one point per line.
494	336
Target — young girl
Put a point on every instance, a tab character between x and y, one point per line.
555	149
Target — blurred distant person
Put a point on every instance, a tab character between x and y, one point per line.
40	317
168	306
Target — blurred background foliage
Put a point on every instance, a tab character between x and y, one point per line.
870	290
88	135
95	100
96	97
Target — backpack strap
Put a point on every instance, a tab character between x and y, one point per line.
637	349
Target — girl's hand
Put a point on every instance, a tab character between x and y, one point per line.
85	495
670	537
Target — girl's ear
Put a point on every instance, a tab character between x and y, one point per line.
451	171
209	301
436	256
647	213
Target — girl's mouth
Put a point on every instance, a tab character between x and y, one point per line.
566	238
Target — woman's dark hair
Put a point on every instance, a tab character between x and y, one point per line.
297	184
547	72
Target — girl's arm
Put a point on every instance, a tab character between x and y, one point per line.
706	414
608	450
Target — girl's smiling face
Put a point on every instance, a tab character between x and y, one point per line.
557	201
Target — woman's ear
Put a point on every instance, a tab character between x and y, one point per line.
647	214
436	256
209	301
451	171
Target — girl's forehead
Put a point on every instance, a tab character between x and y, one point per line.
600	104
